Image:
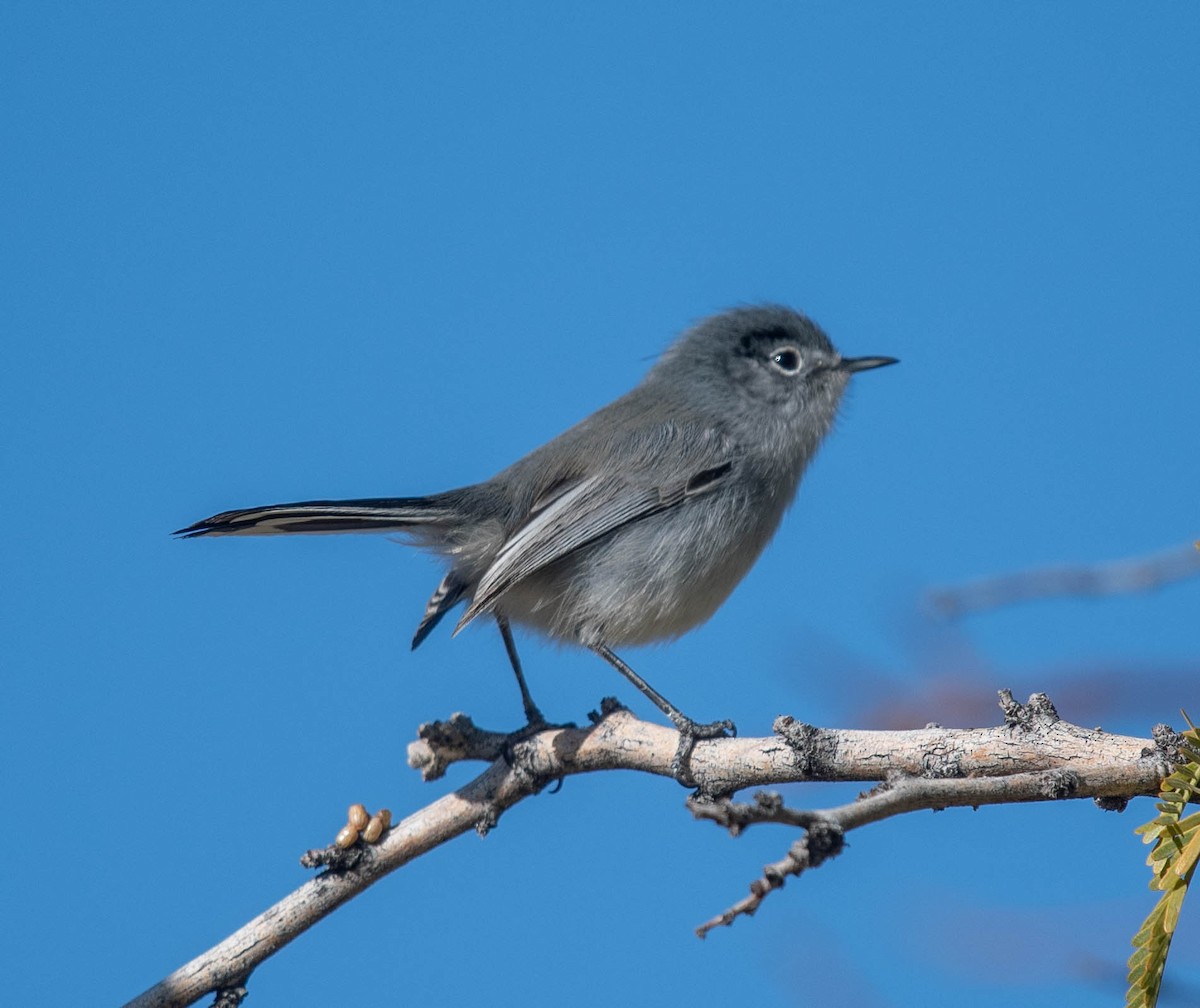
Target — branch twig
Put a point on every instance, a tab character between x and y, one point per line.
826	828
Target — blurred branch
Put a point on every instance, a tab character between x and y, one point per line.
948	767
1117	578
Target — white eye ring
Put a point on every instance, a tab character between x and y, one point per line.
786	360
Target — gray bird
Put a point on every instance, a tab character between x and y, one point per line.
635	524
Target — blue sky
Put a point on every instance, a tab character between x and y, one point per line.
271	252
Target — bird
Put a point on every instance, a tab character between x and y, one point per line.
634	525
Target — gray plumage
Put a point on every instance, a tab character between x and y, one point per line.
635	524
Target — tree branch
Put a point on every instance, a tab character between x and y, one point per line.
1018	761
1119	577
825	829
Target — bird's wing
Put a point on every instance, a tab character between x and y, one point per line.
580	513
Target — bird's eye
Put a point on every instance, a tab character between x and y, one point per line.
786	359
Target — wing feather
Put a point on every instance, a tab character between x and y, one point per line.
577	515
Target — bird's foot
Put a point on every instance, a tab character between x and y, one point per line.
536	723
691	732
534	726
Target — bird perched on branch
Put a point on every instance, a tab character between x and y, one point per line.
635	524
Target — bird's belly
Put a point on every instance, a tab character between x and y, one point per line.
648	583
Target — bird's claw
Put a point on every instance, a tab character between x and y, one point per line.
691	732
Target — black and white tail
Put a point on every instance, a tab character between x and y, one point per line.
376	514
448	594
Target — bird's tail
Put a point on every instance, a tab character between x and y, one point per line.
375	514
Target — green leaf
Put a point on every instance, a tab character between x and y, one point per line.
1173	860
1172	904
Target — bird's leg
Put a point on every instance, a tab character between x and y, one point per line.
690	732
533	716
535	720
